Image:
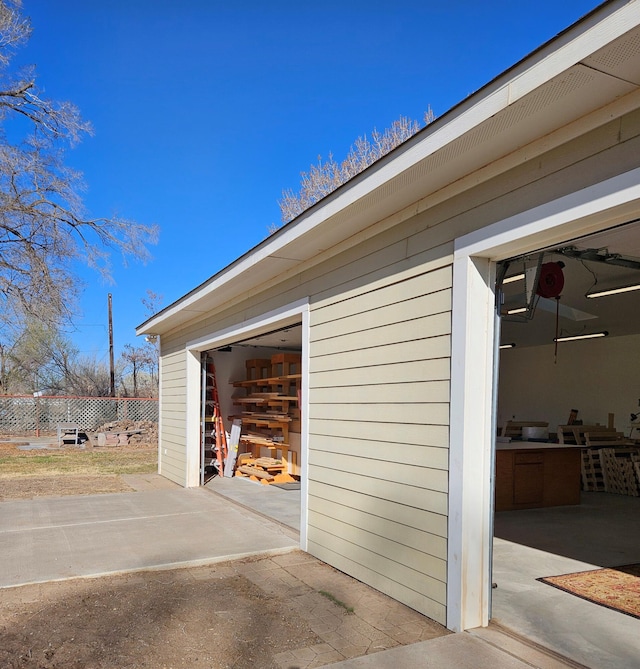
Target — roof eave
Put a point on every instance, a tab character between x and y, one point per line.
287	248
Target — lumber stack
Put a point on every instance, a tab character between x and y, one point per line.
591	470
619	471
263	470
614	470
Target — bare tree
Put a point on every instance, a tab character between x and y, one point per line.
152	303
43	225
38	358
137	360
42	359
325	176
88	377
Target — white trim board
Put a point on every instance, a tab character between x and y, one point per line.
289	314
608	203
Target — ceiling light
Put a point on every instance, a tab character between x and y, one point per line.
614	291
592	335
513	277
503	346
519	310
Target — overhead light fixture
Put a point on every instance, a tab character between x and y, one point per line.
503	346
513	277
519	310
614	291
592	335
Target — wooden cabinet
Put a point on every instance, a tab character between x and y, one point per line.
528	479
531	476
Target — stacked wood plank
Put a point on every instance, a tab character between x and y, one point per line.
269	399
619	471
606	462
575	434
264	470
591	470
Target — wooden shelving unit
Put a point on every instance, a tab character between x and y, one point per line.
270	403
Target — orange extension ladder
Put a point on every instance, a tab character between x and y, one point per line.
212	422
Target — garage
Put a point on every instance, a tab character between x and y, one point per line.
251	421
586	520
391	280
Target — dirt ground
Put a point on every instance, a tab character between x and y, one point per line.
70	470
285	612
181	618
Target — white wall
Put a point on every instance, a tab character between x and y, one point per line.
597	377
230	366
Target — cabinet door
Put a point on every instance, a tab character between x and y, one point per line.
504	480
528	479
562	477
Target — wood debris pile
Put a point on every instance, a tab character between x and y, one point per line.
264	470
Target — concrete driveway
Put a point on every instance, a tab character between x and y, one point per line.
47	539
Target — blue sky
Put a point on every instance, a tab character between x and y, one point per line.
204	111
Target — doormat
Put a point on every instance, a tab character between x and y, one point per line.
617	588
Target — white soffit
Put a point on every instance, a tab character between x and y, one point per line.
547	91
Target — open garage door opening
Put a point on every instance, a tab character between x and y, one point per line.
567	474
251	422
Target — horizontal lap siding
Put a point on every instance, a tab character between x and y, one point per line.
379	372
379	337
173	456
396	580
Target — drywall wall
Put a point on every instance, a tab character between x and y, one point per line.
597	377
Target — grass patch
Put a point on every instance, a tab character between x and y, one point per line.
328	595
79	463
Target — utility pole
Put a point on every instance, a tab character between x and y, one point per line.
112	373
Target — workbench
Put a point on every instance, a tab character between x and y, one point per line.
531	475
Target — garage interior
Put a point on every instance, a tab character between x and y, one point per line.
592	520
258	382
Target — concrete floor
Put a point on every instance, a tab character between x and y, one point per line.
603	531
281	504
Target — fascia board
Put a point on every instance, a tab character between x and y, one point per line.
577	44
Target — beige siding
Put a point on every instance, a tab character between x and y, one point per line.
384	334
439	347
436	435
379	367
173	456
417	455
385	438
423	391
402	372
397	580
